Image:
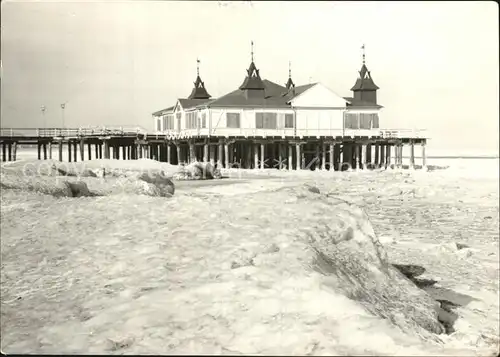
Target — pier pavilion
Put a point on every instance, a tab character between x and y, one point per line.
262	124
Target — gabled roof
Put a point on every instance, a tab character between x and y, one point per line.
191	103
163	111
296	91
364	81
273	98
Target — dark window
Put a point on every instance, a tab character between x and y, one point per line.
288	121
168	122
365	121
266	120
203	120
355	121
351	121
191	120
233	120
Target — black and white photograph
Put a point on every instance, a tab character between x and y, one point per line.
310	178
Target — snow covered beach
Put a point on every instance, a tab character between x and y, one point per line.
225	266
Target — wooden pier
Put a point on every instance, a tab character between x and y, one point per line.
250	152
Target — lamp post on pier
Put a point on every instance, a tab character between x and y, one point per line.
63	106
43	109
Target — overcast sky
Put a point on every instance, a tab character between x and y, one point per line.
116	62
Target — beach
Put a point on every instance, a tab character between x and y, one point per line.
126	274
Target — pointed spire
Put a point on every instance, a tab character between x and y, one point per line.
199	91
289	84
365	88
253	85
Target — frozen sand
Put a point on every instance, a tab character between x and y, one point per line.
148	273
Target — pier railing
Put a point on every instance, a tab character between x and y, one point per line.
292	132
404	133
71	132
227	132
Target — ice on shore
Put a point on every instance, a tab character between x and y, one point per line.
254	267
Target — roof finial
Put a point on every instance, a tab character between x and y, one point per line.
197	66
252	50
289	69
363	48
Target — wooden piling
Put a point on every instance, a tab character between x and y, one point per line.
336	157
9	149
75	151
220	153
60	149
368	156
169	154
382	155
192	152
256	156
14	150
290	157
107	150
359	156
50	149
298	157
354	156
226	155
124	152
364	155
179	157
69	151
82	150
346	157
211	149
412	154
39	148
401	146
388	156
89	151
248	164
331	157
262	154
4	152
398	155
323	157
424	163
205	152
